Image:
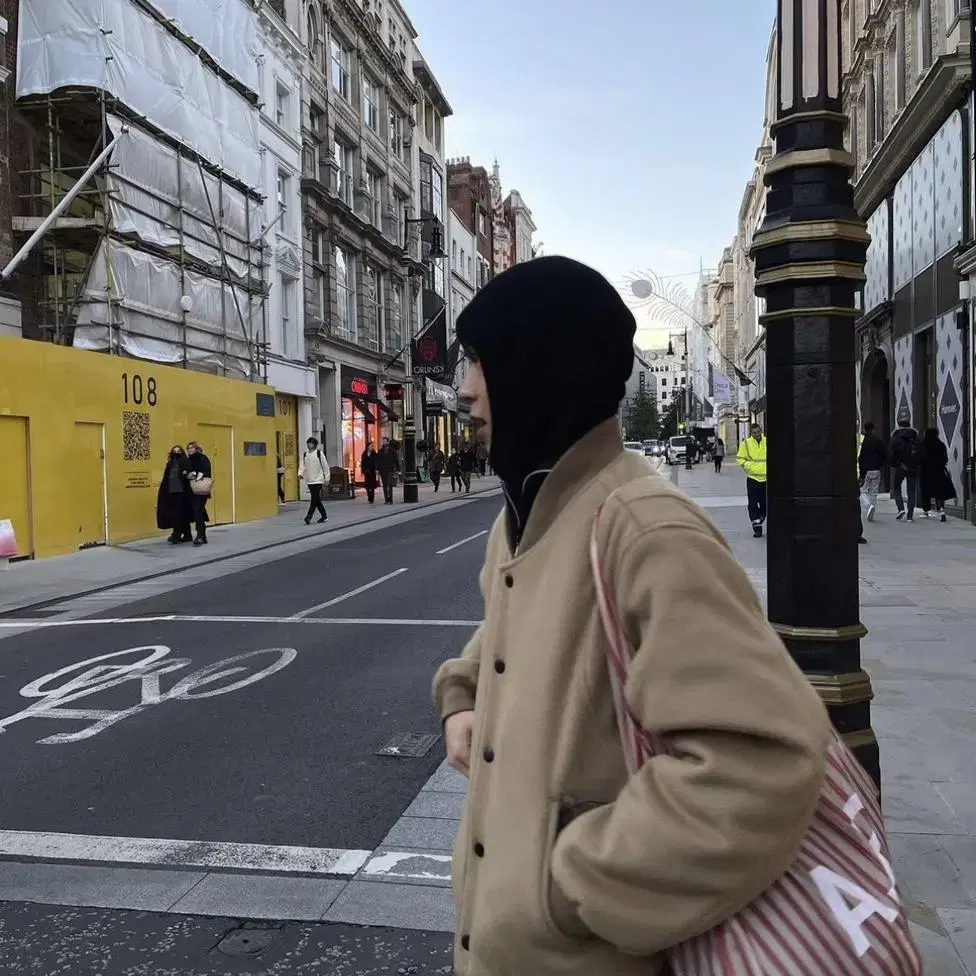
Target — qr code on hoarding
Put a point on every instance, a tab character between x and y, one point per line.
136	442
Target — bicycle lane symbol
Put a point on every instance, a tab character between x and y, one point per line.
94	676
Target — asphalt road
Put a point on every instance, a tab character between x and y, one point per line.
174	735
287	759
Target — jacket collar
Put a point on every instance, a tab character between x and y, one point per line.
572	472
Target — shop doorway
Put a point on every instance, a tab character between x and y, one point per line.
217	442
876	399
88	504
926	409
15	483
359	428
286	443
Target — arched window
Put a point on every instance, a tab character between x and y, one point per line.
314	37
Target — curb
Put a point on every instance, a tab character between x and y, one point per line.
14	612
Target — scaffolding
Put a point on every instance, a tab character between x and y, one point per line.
161	255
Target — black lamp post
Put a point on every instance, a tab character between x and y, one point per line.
809	256
411	479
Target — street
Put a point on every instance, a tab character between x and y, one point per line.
193	784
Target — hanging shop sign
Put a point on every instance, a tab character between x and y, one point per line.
358	385
429	349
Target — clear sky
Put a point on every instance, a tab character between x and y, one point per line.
628	126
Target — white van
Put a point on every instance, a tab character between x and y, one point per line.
677	449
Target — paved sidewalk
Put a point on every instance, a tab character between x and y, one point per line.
918	601
34	582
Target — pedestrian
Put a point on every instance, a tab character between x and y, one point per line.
173	505
436	467
482	455
388	465
752	460
199	473
935	481
692	450
368	466
453	469
718	454
565	862
905	458
281	480
871	459
316	474
467	461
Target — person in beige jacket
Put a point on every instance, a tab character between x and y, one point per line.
564	863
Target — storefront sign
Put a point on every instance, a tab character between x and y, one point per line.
429	350
358	385
949	410
393	391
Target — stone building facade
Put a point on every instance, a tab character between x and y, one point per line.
469	195
907	68
363	244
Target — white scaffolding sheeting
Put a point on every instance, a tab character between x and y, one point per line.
226	29
119	48
146	292
149	182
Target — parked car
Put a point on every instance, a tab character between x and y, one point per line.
634	446
677	452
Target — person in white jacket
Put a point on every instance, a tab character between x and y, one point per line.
315	473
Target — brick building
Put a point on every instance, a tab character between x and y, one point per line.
469	196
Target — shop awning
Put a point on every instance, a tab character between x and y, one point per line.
390	414
364	410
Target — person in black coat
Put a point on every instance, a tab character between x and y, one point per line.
369	468
935	481
387	464
198	467
173	499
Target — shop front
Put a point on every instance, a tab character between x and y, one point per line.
440	405
365	419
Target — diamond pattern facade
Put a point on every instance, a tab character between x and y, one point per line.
949	369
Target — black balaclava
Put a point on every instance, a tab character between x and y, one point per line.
556	343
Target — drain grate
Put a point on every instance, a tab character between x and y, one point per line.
248	940
409	745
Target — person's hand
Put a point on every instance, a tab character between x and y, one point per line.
458	730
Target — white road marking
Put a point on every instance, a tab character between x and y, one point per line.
349	595
177	619
181	853
470	538
398	864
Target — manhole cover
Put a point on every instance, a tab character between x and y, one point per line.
246	941
409	745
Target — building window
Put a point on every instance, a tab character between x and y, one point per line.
461	263
287	286
454	253
870	115
397	124
318	293
400	207
371	103
482	223
438	277
341	69
344	164
953	9
429	114
314	37
900	59
923	35
282	104
369	335
374	198
284	195
431	188
278	6
394	320
468	269
345	265
879	94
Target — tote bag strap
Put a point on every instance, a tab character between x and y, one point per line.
639	745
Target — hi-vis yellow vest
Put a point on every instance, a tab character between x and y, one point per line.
752	458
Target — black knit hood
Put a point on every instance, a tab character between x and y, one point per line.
556	344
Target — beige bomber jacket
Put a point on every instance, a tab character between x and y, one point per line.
564	864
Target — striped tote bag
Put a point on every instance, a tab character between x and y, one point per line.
836	911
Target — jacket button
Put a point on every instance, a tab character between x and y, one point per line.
465	942
489	754
509	581
499	667
479	850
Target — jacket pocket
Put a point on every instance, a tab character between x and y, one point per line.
556	911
